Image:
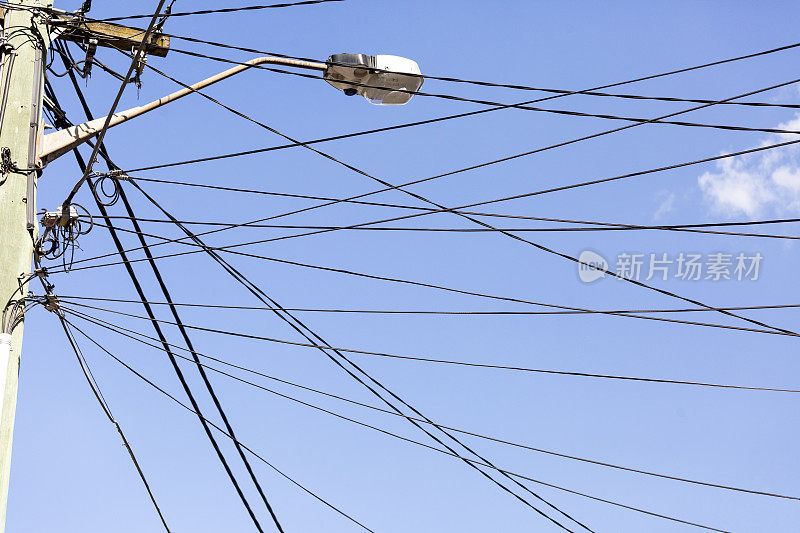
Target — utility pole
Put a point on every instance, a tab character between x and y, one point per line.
26	31
26	37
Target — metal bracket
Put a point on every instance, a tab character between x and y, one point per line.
90	51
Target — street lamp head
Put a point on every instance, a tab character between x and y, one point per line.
381	79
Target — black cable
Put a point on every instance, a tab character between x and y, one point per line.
598	226
206	381
107	410
494	104
481	165
427	210
137	57
486	83
447	289
200	369
212	424
541	247
505	85
430	359
452	454
437	312
222	10
567	112
153	320
459	430
299	327
481	111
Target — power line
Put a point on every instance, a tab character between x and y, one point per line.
460	209
95	388
487	465
421	208
221	10
137	285
436	312
209	387
536	245
599	226
512	86
212	424
313	338
420	284
481	111
494	103
137	57
463	431
430	359
503	85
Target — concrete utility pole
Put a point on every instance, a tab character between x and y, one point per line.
26	39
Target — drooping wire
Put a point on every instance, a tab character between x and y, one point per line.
596	226
458	430
220	10
437	311
428	359
137	285
137	57
107	410
565	143
500	105
310	336
627	314
433	448
212	424
199	367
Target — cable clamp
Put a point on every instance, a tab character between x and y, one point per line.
118	174
51	302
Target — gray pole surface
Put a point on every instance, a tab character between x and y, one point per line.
28	36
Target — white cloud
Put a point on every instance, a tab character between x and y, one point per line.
666	206
757	183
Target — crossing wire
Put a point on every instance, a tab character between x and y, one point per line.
516	237
101	135
507	85
100	148
423	284
310	336
206	381
444	361
212	424
436	312
482	111
217	11
494	103
453	454
473	167
598	226
463	431
95	388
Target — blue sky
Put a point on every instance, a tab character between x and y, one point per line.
68	458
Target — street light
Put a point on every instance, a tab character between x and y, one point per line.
382	79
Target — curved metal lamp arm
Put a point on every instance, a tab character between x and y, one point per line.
60	142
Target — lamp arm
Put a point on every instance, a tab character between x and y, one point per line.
60	142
